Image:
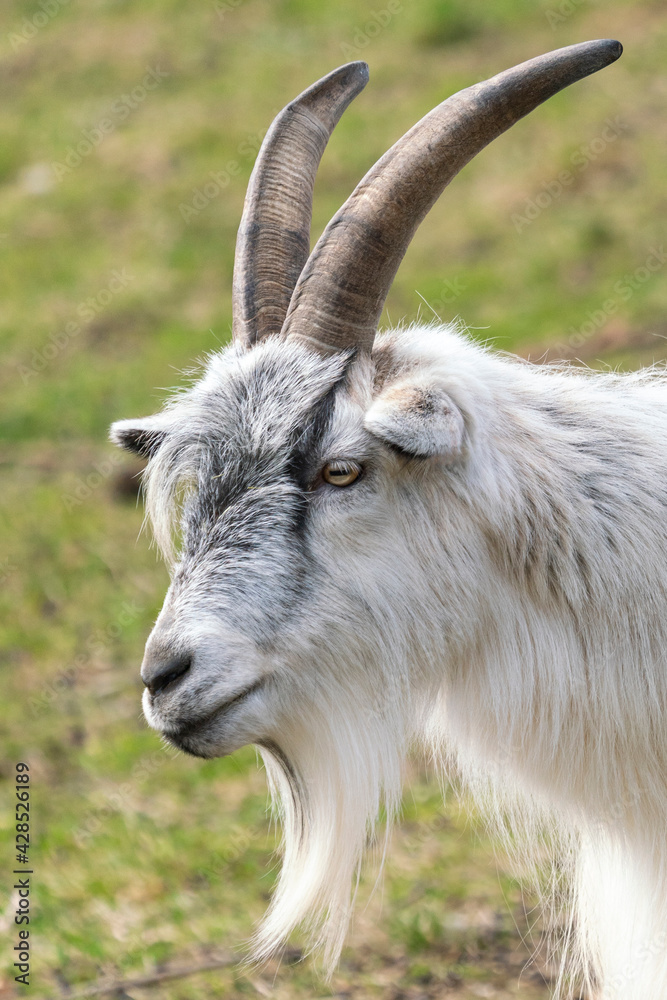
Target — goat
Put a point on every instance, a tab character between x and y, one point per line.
400	537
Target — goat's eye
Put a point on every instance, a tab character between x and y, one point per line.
341	473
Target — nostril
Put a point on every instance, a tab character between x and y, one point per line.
166	673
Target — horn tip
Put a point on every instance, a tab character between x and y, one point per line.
585	58
612	48
356	70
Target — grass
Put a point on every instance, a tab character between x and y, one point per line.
110	287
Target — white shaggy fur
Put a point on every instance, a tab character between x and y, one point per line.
501	601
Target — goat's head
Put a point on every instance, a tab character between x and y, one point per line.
301	469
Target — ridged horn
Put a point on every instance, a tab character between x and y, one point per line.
340	294
273	240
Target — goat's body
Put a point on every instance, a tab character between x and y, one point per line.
537	587
557	546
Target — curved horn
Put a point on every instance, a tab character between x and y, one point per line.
340	294
273	241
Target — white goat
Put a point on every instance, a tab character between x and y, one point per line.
404	537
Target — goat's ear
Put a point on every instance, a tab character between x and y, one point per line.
421	420
142	436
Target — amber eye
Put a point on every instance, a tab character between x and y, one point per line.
341	472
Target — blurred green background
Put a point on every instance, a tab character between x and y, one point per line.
127	135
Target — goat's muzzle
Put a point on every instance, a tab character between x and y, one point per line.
161	670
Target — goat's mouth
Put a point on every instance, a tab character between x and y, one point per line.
201	738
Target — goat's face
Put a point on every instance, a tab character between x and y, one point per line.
299	555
